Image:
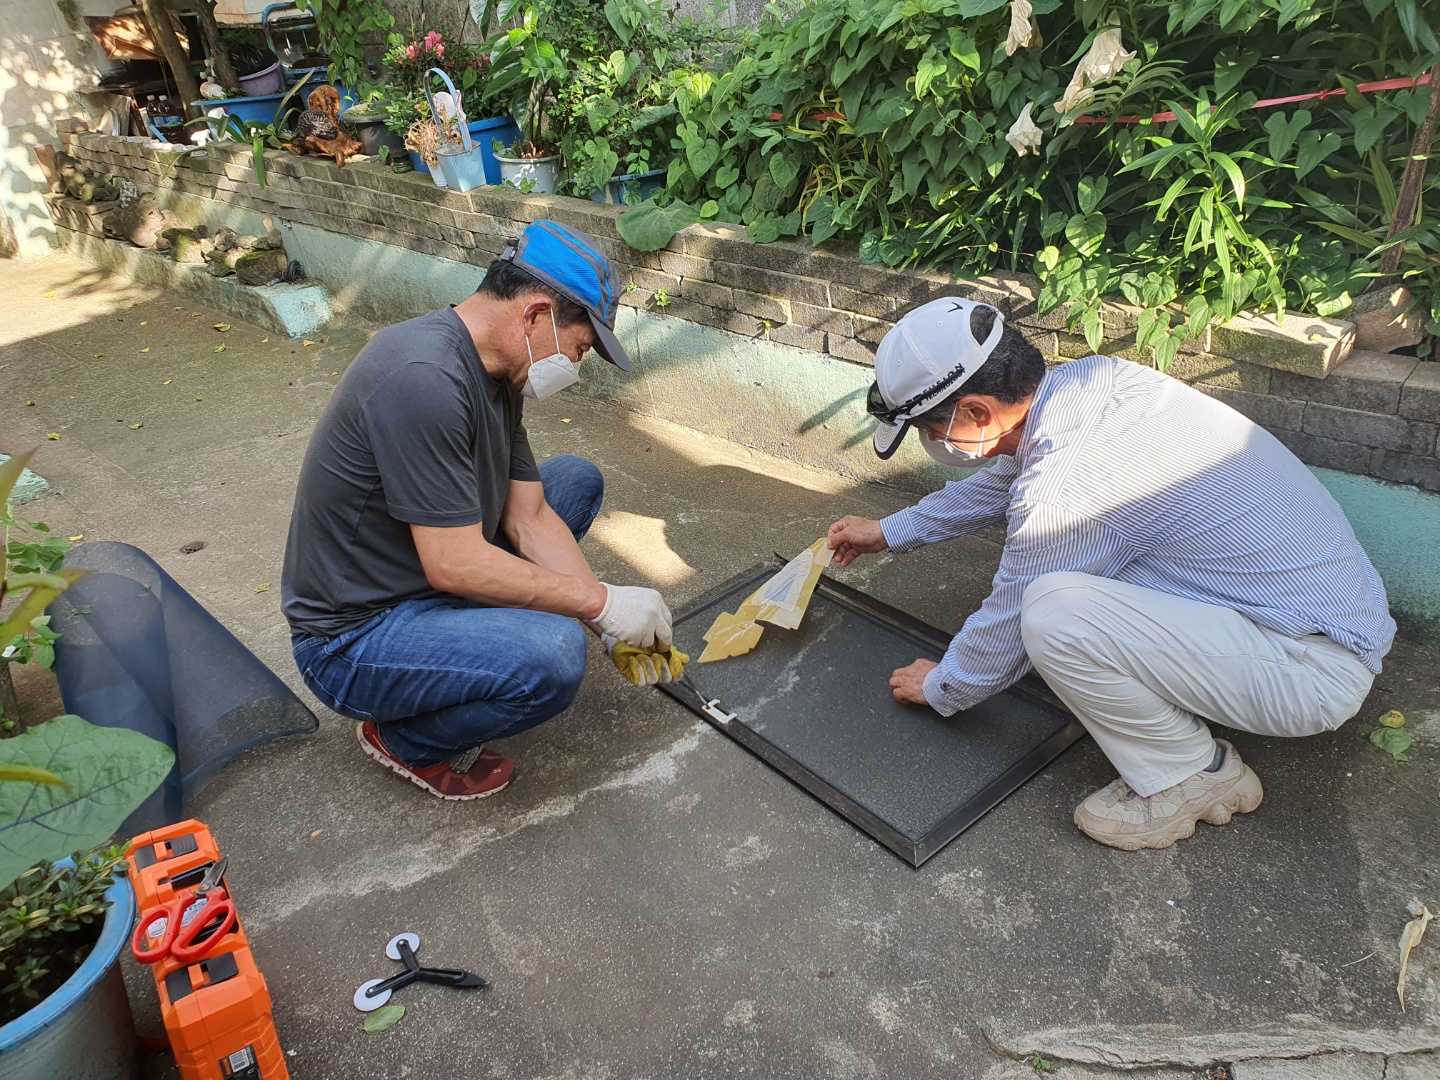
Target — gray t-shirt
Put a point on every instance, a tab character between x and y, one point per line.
417	433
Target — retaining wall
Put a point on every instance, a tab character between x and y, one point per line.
1364	413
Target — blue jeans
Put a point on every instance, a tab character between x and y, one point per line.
440	676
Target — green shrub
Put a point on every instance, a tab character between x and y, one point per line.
884	122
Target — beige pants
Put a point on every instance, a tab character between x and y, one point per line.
1143	671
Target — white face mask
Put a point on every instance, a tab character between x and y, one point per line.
951	456
550	374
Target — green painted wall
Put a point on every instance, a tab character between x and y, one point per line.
1400	528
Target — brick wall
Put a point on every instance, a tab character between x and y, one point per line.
1358	412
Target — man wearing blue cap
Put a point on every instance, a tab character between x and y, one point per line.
433	578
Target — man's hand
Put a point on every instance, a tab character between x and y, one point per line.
635	616
645	667
908	683
851	537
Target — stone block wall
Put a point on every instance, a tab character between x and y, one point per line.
1365	413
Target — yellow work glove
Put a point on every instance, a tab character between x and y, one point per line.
646	667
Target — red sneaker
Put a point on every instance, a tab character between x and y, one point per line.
471	775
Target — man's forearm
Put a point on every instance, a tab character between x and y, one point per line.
465	565
543	539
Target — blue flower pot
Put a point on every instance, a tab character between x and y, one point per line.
630	189
262	109
84	1030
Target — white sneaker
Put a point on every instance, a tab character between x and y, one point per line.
1117	816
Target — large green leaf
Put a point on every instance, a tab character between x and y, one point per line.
648	227
109	772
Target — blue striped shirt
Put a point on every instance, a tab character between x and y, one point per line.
1128	474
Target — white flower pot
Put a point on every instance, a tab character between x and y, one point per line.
543	172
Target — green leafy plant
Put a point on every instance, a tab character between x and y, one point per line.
343	26
65	787
616	109
527	66
49	920
919	132
224	127
31	578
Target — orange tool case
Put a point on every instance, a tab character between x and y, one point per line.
216	1009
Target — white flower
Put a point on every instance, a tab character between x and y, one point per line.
1024	135
1024	34
1104	60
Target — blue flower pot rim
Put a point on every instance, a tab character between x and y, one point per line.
113	936
628	177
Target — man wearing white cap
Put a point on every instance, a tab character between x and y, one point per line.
1166	562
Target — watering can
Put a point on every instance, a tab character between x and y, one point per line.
463	163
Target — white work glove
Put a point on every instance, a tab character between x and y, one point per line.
635	616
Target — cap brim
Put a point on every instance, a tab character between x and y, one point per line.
608	345
887	438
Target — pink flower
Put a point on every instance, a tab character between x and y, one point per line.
440	50
433	40
412	52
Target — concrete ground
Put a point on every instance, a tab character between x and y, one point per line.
650	900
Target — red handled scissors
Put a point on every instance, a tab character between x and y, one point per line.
174	929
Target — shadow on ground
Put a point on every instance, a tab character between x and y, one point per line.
648	899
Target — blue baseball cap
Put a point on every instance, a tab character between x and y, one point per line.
569	262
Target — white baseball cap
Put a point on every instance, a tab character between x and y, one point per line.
926	357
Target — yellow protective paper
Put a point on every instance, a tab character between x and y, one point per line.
781	601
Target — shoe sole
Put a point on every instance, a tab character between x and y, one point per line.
399	770
1244	797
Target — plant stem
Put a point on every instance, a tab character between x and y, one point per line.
1408	201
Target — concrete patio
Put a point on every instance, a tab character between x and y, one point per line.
650	900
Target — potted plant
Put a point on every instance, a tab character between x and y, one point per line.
526	64
468	67
64	785
368	120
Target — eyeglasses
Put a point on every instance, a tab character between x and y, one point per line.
876	407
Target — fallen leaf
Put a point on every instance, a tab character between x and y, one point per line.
49	296
99	356
145	349
334	373
54	436
317	832
76	538
144	322
307	341
179	309
194	314
1393	718
1410	937
222	326
264	341
29	403
199	399
219	348
137	427
265	587
384	1018
565	420
1394	741
167	382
